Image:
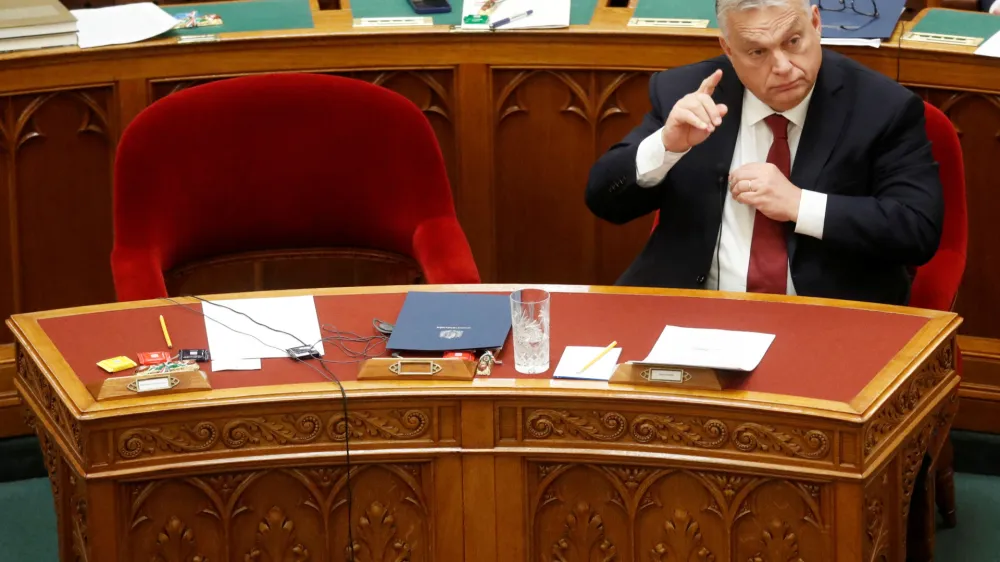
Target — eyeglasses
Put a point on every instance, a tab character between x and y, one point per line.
843	5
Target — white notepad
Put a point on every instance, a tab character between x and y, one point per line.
575	358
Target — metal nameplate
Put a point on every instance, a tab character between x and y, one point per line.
668	22
415	367
393	22
943	39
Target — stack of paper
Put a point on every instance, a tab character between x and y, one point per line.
35	24
713	349
484	15
118	25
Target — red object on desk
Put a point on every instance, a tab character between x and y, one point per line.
819	352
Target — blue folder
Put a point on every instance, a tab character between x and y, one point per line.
451	322
849	24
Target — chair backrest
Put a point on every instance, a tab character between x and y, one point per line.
277	161
936	283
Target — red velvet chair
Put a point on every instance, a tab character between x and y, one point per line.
936	283
277	162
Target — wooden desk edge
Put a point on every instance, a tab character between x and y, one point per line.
39	347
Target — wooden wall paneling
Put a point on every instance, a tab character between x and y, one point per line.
980	391
545	125
57	161
11	411
475	197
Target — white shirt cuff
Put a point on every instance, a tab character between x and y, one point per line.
995	8
812	214
653	162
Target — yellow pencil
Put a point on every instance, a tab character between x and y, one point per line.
599	355
166	334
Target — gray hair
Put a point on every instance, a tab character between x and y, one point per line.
723	7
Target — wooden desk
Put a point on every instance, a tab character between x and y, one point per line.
520	118
820	453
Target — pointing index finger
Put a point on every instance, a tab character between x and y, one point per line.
708	85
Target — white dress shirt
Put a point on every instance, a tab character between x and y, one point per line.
995	7
732	257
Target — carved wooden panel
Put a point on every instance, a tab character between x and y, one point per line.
908	397
882	540
604	513
667	430
64	422
417	426
977	118
284	515
56	152
550	127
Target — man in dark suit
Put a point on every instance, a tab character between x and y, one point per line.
991	6
780	167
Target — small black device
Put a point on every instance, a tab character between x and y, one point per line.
302	352
430	6
199	355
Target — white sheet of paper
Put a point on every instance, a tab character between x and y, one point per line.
236	365
849	42
546	14
118	25
295	315
716	349
576	357
990	47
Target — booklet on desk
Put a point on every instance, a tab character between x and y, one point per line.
451	322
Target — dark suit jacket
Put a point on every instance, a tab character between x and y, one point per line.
863	143
985	5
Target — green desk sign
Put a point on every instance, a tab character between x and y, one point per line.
954	27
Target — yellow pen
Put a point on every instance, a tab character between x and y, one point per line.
599	355
166	334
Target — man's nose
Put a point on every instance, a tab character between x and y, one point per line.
781	63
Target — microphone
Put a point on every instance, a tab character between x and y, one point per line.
722	173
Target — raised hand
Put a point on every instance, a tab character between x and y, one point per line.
694	117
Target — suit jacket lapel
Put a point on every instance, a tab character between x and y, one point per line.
825	119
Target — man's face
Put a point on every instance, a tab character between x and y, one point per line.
776	51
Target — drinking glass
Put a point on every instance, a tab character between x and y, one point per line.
529	313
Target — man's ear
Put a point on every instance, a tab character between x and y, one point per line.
815	20
725	47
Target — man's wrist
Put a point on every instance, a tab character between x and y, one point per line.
811	215
653	160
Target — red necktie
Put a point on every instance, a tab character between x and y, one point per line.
768	271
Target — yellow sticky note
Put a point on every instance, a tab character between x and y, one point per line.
116	364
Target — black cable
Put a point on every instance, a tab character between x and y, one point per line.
899	49
332	377
247	316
